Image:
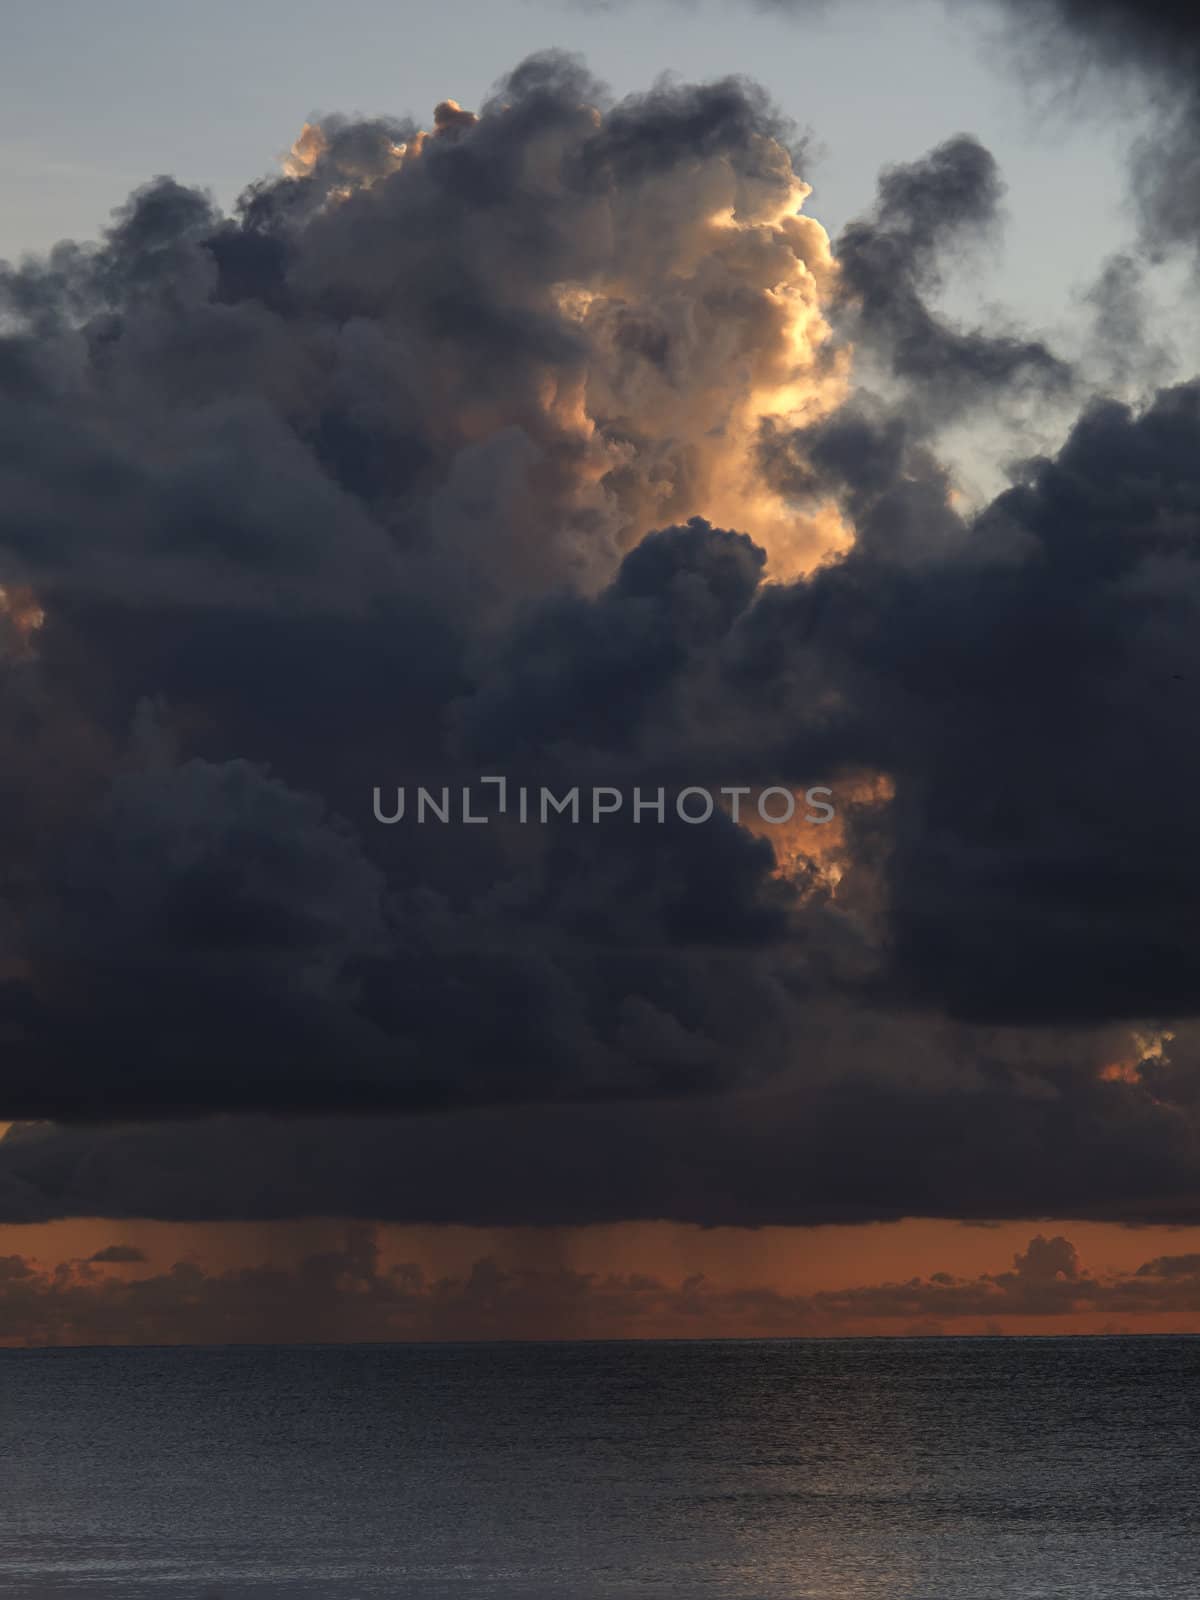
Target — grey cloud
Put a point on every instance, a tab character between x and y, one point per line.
892	261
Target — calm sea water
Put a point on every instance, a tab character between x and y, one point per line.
923	1469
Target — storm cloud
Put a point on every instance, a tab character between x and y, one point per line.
530	445
891	262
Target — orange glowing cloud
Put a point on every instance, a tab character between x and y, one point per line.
1148	1049
810	845
20	617
122	1283
702	302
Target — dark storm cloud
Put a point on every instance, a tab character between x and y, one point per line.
892	260
881	1119
875	459
400	476
1029	678
588	672
307	508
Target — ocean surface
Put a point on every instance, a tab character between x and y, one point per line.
843	1470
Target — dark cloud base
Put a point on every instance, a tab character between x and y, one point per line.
1013	1140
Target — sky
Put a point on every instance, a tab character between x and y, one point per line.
215	97
393	401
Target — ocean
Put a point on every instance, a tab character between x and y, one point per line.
832	1470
